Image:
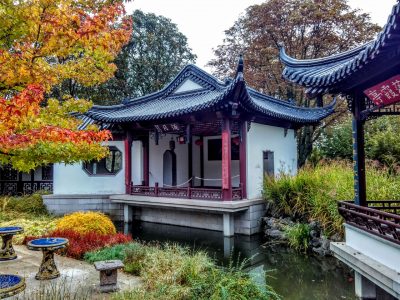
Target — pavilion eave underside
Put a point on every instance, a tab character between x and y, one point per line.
341	72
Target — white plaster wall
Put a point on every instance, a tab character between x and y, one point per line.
73	180
156	153
383	251
213	169
188	85
137	162
268	138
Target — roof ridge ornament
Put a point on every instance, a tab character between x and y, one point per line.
240	66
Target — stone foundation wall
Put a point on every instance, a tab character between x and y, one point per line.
247	222
65	204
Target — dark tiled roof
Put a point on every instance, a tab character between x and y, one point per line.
213	95
325	75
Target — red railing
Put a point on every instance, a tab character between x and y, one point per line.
390	206
184	192
15	187
373	220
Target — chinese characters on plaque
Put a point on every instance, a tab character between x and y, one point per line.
165	128
385	93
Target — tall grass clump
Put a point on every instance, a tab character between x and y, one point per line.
313	193
172	272
298	236
63	289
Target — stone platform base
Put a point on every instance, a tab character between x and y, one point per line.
60	205
240	217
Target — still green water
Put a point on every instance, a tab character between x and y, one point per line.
294	276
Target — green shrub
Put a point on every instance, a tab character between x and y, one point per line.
381	141
313	193
30	204
298	236
109	253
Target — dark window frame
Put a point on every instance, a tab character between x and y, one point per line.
103	162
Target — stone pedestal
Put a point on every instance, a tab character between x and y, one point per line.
108	275
229	224
365	289
128	213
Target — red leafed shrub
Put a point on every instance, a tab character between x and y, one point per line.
79	244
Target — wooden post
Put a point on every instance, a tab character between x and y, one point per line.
243	158
202	161
156	188
20	184
190	153
128	163
360	195
33	181
226	161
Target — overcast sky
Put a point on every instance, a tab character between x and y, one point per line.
204	21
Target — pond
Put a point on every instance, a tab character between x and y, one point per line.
292	275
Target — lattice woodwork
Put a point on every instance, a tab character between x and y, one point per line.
373	111
14	187
375	221
47	172
8	173
184	193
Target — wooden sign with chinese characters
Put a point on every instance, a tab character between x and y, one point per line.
225	161
165	128
385	93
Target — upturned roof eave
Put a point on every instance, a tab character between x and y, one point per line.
322	75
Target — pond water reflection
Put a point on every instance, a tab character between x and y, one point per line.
294	276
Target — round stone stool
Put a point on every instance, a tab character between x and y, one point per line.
48	269
7	251
11	285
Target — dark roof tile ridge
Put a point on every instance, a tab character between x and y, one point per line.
169	88
357	52
285	103
315	62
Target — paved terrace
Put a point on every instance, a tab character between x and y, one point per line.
75	275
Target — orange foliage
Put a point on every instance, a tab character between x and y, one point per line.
42	44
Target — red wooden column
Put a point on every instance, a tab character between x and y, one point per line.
128	162
243	158
226	161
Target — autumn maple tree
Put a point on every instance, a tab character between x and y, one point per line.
43	43
308	29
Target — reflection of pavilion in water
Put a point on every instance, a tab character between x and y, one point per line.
211	241
292	275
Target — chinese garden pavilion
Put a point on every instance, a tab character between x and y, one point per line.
195	104
198	138
369	77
